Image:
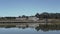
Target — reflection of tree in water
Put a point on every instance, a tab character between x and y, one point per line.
25	27
48	27
42	27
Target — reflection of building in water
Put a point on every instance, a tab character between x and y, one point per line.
30	25
39	26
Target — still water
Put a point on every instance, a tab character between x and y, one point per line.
30	29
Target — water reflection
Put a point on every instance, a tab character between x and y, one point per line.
48	27
36	26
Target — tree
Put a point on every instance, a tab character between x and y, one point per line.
23	16
37	15
19	16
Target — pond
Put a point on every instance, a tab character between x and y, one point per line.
30	29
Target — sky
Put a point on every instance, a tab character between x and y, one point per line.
28	7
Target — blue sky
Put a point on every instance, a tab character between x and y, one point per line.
28	7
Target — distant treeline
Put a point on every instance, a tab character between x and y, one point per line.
48	15
45	15
42	15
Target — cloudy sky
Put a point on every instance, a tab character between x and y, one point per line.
28	7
